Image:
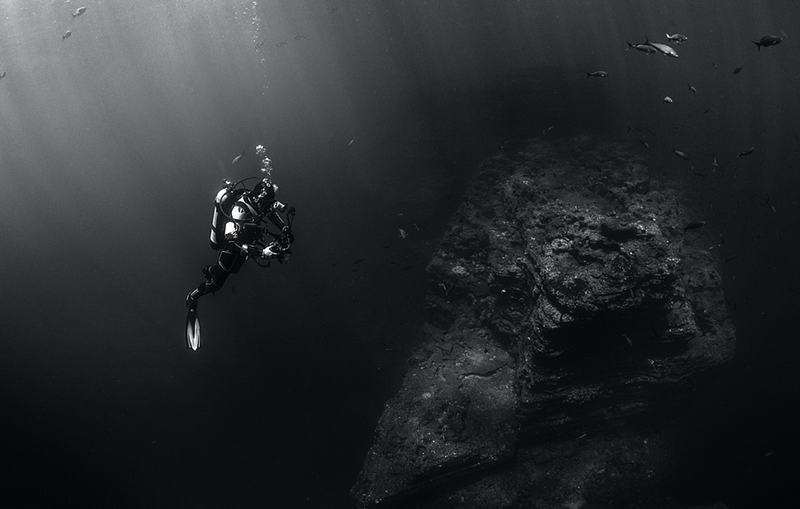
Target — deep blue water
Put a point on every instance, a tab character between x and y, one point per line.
114	141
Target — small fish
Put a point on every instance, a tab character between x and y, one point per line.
667	99
351	142
66	35
767	40
771	206
299	36
677	38
596	74
680	154
2	75
746	152
664	49
694	225
403	233
646	145
238	158
548	129
737	70
691	88
642	46
260	44
628	340
280	43
80	11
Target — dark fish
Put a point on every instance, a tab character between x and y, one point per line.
746	152
694	225
642	46
737	70
680	154
677	38
767	40
596	74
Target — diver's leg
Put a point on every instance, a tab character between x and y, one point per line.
215	278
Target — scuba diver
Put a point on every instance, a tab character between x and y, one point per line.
239	230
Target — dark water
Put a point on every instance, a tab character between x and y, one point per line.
114	142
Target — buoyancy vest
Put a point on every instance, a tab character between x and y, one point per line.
223	205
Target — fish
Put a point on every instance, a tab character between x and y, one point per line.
2	75
767	40
694	225
691	88
66	35
642	46
771	206
646	145
677	38
664	49
667	99
238	158
280	43
548	129
680	154
299	36
351	142
596	74
746	152
79	12
737	70
403	233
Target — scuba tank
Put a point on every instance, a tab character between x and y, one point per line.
223	205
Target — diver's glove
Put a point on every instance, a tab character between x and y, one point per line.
278	251
250	250
271	251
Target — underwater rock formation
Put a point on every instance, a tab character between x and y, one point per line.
571	317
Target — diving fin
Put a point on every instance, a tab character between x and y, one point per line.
193	339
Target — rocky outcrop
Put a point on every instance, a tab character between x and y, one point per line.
571	315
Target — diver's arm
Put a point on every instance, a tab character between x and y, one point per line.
232	236
277	220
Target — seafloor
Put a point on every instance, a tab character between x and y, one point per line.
574	310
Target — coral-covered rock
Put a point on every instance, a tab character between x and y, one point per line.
569	309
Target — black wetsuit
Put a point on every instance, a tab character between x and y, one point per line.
248	231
